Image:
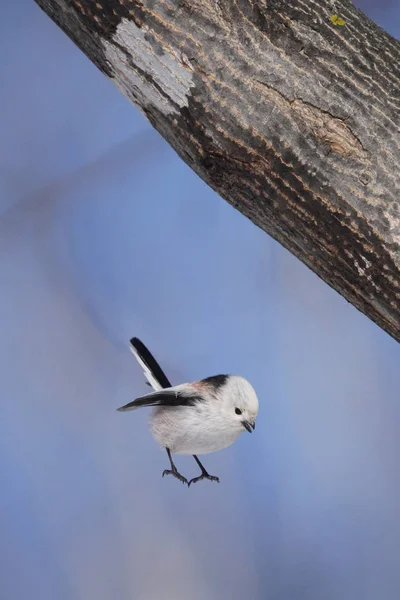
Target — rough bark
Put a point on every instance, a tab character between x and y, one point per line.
289	114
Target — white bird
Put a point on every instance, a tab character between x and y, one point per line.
194	418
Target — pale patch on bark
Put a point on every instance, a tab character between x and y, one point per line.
151	77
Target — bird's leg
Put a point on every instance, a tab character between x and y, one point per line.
173	471
204	474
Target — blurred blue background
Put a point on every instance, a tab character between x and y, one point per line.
105	234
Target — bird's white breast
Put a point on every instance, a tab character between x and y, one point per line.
192	429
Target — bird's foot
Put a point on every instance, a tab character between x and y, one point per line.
204	475
175	474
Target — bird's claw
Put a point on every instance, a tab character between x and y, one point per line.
203	476
176	475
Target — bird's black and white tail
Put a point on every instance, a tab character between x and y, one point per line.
152	370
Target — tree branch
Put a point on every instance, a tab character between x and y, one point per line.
288	113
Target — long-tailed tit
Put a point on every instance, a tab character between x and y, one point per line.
194	418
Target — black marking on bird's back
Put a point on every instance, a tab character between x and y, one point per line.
190	400
168	399
150	362
217	381
163	399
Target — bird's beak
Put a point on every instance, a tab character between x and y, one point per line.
249	426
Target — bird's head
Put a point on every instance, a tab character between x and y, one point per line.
237	401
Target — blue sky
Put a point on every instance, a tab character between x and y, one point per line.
105	234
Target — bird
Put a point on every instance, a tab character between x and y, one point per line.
194	418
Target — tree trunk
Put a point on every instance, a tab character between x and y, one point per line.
289	110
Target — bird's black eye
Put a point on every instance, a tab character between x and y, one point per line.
238	411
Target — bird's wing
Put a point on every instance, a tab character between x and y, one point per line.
174	396
152	370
